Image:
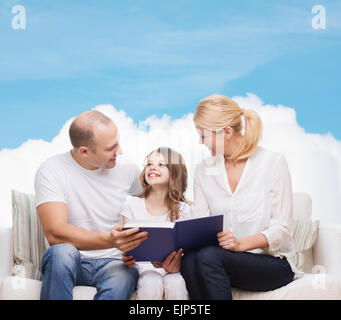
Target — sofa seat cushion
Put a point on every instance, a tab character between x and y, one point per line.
309	287
18	288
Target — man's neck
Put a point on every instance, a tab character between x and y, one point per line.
80	161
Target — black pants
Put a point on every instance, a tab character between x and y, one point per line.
210	272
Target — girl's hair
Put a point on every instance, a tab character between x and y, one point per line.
217	112
177	184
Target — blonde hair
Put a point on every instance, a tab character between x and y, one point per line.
217	112
177	184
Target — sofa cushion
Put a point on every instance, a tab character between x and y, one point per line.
29	242
18	288
309	287
305	234
318	286
304	229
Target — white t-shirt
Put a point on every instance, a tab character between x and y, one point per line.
94	198
261	203
135	209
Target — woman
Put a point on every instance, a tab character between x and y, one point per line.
251	186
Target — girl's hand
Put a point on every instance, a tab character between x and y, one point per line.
129	261
172	263
228	241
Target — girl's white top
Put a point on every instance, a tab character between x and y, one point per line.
135	209
261	203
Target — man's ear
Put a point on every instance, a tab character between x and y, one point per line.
83	151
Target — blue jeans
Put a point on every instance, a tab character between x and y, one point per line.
63	268
210	272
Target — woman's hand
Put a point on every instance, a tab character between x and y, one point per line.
172	263
129	261
228	241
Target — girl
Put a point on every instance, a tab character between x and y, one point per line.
164	182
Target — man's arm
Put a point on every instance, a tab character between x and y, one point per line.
54	219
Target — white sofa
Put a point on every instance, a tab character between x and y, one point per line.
322	267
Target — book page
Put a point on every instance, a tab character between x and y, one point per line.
152	224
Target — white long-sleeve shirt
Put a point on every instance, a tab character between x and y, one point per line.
261	202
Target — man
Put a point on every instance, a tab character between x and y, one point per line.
79	196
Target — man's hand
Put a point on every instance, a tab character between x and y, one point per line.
172	263
128	239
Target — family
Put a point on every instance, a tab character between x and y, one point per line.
85	196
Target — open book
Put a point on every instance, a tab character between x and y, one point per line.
165	237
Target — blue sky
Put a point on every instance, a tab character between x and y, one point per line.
156	57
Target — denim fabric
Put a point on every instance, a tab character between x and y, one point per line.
63	268
211	272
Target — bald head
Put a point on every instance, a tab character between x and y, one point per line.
82	131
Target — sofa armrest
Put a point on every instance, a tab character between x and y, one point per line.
6	252
327	249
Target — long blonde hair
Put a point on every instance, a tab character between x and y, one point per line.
217	112
177	184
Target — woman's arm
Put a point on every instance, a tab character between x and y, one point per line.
279	232
254	242
228	241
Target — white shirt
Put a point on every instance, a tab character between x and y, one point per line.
94	198
261	202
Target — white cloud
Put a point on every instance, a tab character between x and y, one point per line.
314	160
